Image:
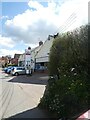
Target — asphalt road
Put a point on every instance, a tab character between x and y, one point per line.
19	96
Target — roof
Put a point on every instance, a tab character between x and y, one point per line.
36	49
45	49
17	56
21	57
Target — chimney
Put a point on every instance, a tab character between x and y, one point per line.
40	43
29	48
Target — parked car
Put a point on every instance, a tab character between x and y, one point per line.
6	68
18	71
9	69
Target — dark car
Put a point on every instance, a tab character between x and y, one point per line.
9	70
6	68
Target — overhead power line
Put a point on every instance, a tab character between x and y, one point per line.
70	21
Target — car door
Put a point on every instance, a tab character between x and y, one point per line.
23	70
19	70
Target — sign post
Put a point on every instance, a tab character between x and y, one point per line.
28	60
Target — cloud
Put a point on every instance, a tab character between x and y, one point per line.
39	21
31	45
4	52
35	5
6	42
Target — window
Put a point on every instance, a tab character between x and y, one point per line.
23	68
19	68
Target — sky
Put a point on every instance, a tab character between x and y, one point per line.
24	24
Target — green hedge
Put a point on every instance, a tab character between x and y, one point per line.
7	65
68	94
12	65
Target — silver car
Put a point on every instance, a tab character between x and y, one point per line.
18	71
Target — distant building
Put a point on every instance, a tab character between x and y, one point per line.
4	60
15	59
21	60
16	56
27	58
39	56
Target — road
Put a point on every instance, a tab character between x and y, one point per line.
19	96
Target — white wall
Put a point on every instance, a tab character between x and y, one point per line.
33	55
42	59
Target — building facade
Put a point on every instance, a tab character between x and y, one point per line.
42	57
15	59
39	56
27	59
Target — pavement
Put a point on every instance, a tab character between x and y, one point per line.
20	96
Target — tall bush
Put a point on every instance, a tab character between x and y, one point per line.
68	95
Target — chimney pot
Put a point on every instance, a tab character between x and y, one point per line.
29	48
40	43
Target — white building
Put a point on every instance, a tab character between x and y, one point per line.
42	57
39	56
34	53
27	59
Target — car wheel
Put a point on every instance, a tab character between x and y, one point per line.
16	74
